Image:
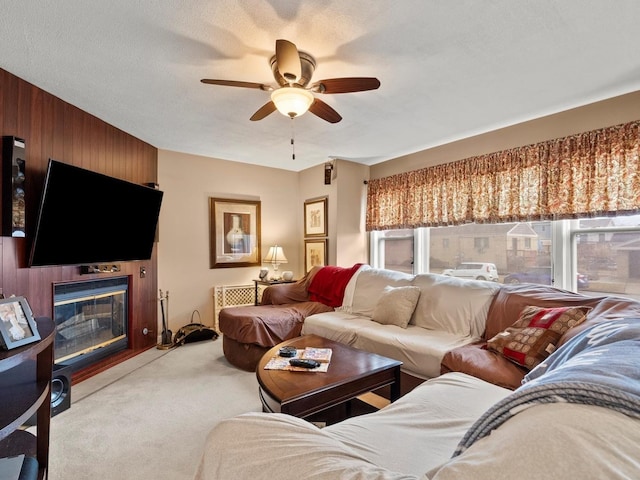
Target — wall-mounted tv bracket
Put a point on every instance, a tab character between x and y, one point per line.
106	268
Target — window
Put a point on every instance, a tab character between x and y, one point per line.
481	244
596	256
608	254
395	249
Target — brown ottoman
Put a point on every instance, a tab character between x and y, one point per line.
248	332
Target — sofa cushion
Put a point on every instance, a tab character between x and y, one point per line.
453	305
554	440
289	292
419	430
475	359
267	325
369	286
419	350
337	326
534	336
281	446
396	305
416	433
512	299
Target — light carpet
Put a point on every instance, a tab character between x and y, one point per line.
148	417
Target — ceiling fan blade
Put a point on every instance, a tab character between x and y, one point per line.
263	111
324	111
234	83
346	85
288	59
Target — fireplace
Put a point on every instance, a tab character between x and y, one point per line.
91	320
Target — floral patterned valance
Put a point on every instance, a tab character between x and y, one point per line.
596	173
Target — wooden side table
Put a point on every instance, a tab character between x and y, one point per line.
267	283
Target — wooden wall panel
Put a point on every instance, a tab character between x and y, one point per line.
55	129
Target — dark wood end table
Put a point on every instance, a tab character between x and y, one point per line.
351	373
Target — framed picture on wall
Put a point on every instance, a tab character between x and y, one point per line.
234	233
17	325
315	253
315	217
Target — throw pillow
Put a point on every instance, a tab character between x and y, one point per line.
396	305
534	336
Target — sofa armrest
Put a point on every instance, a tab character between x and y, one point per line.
272	446
289	292
474	359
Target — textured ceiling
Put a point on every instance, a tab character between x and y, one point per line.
448	69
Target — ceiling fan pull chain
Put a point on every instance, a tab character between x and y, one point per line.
293	146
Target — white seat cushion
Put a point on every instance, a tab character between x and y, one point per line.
337	326
453	305
422	429
404	440
420	350
553	440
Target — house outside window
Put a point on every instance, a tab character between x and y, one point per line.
596	256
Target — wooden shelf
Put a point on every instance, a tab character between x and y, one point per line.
25	382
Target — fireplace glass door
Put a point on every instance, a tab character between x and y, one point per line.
89	321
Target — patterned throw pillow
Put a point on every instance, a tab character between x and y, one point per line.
396	305
534	336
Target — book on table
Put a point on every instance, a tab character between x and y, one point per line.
322	355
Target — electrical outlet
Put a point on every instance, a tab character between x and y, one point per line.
143	272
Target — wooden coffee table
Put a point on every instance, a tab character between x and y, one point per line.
351	373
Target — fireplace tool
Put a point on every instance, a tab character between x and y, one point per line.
166	342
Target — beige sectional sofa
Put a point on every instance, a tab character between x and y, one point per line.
575	413
418	438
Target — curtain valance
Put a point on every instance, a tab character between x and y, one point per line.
589	174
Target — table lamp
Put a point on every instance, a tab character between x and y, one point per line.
275	256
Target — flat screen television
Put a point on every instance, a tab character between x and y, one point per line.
88	218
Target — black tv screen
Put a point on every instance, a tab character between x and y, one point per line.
88	218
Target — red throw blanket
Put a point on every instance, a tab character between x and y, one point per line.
328	285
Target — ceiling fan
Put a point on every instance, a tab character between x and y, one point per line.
292	70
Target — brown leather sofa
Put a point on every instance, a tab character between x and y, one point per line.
475	359
248	332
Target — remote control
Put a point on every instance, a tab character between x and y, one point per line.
302	362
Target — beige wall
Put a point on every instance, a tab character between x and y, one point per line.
311	185
614	111
347	239
188	181
351	241
183	248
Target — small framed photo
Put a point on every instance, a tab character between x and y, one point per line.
315	253
17	325
315	217
234	233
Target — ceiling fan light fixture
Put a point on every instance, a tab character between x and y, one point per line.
292	101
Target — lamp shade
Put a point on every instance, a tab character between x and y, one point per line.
275	255
292	101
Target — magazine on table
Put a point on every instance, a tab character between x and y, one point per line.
321	355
